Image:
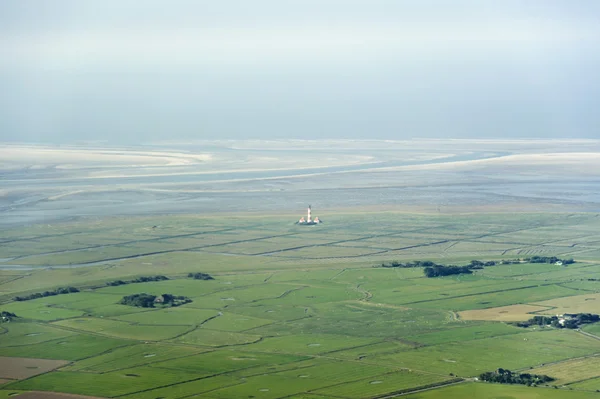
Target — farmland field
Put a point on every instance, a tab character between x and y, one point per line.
17	369
497	391
503	313
299	312
572	371
589	303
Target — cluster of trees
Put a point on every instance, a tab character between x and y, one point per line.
504	376
440	270
571	320
479	264
139	300
432	269
6	316
200	276
143	279
150	301
58	291
548	259
511	261
538	321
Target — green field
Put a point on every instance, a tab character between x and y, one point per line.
300	312
497	391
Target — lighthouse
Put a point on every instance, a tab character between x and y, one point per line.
309	221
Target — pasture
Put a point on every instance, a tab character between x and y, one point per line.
497	391
300	311
572	370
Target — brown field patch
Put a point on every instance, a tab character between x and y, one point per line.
18	368
589	303
53	395
502	313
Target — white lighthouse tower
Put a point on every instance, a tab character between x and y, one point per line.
309	220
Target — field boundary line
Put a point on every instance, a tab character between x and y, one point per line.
166	251
588	334
120	243
338	274
135	365
585	379
487	292
422	389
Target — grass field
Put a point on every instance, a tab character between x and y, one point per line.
131	356
73	347
498	391
514	351
120	329
302	312
593	384
108	384
382	384
572	370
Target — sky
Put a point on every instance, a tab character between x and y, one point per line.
134	72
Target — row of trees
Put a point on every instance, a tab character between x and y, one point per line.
478	264
200	276
505	376
150	301
142	279
427	263
58	291
432	269
417	263
440	270
569	320
549	259
146	279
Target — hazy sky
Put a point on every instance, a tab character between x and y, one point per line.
129	71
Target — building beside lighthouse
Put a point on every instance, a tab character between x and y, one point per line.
309	220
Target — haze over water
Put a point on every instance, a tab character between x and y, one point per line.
130	72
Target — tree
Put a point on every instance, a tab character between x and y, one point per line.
139	300
200	276
6	317
150	301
